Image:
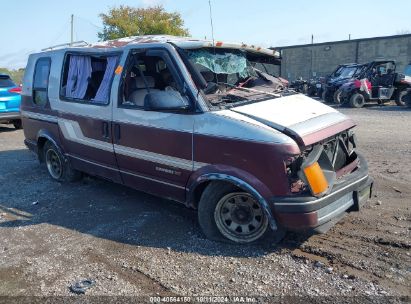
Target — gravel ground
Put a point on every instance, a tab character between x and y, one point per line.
133	244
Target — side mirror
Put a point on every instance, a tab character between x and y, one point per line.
165	101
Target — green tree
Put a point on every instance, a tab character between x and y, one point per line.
15	75
127	21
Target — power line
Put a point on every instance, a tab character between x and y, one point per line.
60	33
89	22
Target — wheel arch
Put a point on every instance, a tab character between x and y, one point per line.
42	137
202	181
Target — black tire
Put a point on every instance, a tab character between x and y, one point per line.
357	100
326	97
17	124
215	227
57	165
400	98
337	96
304	89
312	91
323	95
407	99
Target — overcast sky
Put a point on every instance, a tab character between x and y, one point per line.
28	26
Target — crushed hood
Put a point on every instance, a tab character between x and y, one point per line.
304	119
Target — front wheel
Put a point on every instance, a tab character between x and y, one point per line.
57	166
227	213
337	97
400	98
357	100
324	95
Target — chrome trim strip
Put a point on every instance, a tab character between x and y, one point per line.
281	138
38	116
126	172
155	157
317	201
71	131
152	179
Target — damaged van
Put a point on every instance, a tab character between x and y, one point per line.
195	122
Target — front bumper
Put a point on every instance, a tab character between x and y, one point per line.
308	212
9	116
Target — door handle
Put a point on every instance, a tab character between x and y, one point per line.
117	133
106	130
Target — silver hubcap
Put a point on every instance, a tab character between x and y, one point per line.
53	163
240	218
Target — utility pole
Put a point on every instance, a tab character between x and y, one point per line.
311	64
349	36
72	29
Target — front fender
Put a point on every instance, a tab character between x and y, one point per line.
237	177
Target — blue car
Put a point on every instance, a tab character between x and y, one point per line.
9	101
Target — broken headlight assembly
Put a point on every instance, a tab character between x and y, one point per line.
315	170
292	166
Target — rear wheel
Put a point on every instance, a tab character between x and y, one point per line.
57	166
407	99
17	124
357	100
227	213
400	98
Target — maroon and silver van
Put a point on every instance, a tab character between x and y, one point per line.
197	122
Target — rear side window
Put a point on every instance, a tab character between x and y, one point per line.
41	81
5	82
88	78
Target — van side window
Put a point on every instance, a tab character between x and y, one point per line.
41	81
145	74
88	78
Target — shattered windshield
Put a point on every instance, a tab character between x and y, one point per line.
232	77
227	62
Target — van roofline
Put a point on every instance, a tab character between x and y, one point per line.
183	42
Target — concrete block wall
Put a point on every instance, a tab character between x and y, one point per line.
322	58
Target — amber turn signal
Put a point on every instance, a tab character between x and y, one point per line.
315	177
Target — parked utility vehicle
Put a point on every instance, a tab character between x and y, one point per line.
193	121
342	74
377	82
